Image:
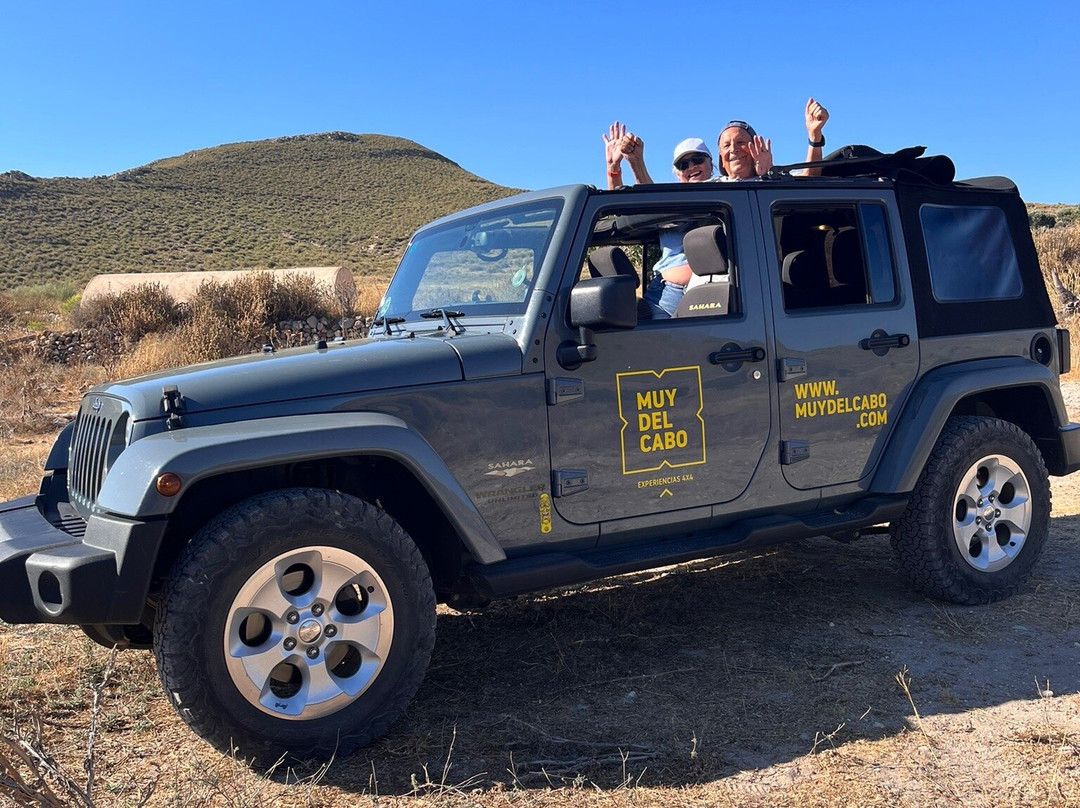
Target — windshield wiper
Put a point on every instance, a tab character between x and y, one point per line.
386	322
445	314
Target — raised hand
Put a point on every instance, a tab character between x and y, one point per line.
612	144
632	148
761	153
816	116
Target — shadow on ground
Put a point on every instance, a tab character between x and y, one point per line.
697	672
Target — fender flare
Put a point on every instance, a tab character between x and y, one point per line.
58	454
197	453
933	400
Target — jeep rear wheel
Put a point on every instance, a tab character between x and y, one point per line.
298	623
979	515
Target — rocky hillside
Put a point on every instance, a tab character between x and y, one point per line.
311	200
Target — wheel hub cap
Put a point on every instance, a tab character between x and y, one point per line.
310	631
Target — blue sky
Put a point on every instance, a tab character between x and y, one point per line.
519	93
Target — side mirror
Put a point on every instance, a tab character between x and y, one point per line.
609	302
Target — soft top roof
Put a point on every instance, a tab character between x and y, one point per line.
906	165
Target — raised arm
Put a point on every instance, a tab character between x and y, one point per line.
816	116
633	149
613	155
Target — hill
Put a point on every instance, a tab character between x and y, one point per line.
310	200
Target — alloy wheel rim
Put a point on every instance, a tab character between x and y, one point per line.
992	513
308	632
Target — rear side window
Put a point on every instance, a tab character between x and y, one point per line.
836	255
970	253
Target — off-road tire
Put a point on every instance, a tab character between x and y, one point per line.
924	540
225	559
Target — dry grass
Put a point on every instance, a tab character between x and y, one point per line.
152	353
41	397
369	295
1059	254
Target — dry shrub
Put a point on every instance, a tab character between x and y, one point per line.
40	397
1059	253
20	470
144	309
228	319
368	297
7	311
153	352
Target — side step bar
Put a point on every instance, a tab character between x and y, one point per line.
516	576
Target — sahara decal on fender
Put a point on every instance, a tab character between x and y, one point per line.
509	468
661	419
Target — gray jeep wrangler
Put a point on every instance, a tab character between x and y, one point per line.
871	346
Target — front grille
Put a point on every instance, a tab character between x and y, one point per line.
100	436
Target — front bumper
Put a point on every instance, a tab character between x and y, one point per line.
59	569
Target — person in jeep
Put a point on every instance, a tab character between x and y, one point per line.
743	154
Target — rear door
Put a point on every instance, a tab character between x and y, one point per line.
846	340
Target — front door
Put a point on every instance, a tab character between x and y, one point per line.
658	422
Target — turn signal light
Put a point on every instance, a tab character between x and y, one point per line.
168	484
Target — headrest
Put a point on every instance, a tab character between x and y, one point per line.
706	250
607	262
805	269
847	260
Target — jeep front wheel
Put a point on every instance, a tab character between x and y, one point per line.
979	515
298	623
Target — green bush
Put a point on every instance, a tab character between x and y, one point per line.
1040	218
1068	216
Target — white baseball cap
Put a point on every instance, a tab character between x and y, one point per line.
692	145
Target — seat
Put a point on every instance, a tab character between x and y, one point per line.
806	280
706	253
607	262
848	268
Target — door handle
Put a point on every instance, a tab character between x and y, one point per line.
881	341
732	355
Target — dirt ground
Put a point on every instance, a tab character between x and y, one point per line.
811	675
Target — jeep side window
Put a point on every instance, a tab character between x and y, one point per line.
970	253
629	242
834	256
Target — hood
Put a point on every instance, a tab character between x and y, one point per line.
309	372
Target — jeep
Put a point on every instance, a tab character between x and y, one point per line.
871	347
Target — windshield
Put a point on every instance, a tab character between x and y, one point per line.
485	264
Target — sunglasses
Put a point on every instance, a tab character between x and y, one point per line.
696	160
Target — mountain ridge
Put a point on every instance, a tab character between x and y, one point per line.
333	198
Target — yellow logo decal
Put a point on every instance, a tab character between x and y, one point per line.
661	419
